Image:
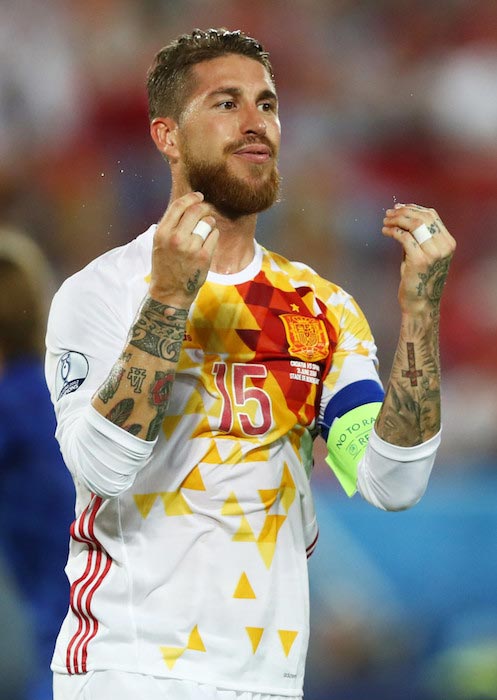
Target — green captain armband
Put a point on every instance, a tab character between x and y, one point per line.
347	441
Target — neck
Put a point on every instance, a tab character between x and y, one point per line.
235	248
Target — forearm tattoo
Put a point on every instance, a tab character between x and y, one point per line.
120	413
159	330
411	410
432	282
158	398
109	388
136	376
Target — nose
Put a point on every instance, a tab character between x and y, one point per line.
252	121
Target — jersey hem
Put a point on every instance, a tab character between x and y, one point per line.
220	685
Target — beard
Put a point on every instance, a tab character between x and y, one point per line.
231	195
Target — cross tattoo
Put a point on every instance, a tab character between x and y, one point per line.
412	373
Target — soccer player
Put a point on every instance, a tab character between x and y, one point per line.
191	370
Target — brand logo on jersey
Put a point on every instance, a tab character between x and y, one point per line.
72	371
307	337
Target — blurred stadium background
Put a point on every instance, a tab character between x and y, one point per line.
382	101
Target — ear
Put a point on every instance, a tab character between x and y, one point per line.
165	136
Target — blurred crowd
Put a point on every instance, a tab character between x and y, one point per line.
381	101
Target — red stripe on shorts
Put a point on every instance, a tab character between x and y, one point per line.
98	564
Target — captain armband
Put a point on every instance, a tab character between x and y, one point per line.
347	440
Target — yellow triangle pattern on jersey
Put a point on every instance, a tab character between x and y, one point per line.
144	502
287	638
271	527
255	634
258	453
212	455
244	589
193	481
287	489
234	456
244	532
195	640
169	424
268	497
175	504
171	655
231	506
266	542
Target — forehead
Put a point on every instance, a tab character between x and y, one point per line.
233	71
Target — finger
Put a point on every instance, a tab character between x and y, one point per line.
211	241
202	230
191	217
176	209
420	224
416	236
413	212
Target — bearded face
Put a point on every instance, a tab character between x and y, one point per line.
238	191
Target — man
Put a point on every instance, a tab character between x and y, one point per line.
191	370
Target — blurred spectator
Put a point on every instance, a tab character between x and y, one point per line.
36	491
16	641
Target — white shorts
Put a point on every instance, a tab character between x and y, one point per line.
107	685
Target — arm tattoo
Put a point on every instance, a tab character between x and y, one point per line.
158	398
412	373
432	282
411	410
111	385
159	330
120	413
192	284
136	377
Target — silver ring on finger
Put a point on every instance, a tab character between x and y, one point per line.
422	234
202	229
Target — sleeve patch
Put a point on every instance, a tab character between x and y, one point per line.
72	370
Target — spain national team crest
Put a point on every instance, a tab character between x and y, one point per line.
307	337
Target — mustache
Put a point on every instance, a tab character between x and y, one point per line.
248	141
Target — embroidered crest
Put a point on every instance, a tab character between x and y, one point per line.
306	336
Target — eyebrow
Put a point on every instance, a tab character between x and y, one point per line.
237	92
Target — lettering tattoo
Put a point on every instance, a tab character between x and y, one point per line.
192	284
136	377
159	330
158	398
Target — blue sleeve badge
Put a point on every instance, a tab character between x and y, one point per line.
72	371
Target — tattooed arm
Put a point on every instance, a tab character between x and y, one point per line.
410	414
136	393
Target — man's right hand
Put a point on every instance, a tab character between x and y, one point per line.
180	258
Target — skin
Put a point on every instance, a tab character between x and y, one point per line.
233	101
410	413
245	109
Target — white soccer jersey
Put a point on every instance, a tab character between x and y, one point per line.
199	570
